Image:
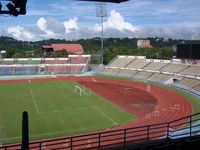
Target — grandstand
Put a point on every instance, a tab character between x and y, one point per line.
74	64
56	61
75	69
138	64
174	68
155	66
189	84
25	70
158	77
182	74
55	69
24	61
126	73
78	59
142	75
7	61
192	70
121	62
6	70
110	71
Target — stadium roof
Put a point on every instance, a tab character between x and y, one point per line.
70	48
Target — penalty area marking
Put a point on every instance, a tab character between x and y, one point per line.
115	123
66	85
34	100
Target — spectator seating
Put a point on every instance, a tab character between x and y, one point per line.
158	77
110	71
55	61
188	83
75	69
137	64
56	69
142	75
29	66
8	62
126	73
192	70
6	71
27	70
162	71
174	68
155	66
196	88
78	60
23	62
121	62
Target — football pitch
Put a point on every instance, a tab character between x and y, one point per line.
55	109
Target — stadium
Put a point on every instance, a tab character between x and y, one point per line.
65	94
130	100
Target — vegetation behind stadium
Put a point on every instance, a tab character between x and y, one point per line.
162	48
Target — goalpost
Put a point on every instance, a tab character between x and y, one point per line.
78	89
81	90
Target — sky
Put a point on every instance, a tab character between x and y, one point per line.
71	20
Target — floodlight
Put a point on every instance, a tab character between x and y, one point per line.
0	7
13	11
101	12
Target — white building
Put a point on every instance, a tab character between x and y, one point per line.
144	44
2	53
195	37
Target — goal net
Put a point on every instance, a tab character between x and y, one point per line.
81	90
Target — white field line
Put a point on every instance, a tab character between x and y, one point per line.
103	113
69	111
34	100
80	87
69	87
108	117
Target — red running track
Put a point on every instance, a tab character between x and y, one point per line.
158	105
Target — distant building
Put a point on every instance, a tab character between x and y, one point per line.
69	48
195	37
144	44
2	53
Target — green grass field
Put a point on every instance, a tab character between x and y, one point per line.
54	110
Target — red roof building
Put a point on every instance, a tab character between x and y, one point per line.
69	48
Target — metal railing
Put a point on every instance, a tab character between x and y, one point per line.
183	127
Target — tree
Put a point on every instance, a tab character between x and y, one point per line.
18	55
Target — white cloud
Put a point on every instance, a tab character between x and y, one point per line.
116	21
42	25
71	25
115	26
20	33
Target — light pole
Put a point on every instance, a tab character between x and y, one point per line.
101	11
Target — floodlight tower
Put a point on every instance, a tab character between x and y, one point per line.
101	11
